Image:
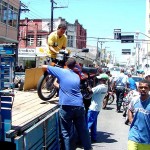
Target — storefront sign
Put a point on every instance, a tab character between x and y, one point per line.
26	51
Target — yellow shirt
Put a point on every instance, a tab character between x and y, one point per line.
54	39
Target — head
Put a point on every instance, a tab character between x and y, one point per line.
61	29
71	63
122	70
144	87
103	78
147	77
129	75
108	72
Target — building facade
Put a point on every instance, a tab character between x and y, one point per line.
33	36
146	54
9	10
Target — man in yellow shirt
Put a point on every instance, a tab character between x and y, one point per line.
57	40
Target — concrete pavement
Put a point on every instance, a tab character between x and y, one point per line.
112	132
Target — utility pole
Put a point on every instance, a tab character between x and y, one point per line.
98	54
52	12
17	44
136	54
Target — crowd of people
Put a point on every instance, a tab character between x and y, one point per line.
72	111
138	110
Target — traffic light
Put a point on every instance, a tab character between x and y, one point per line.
117	34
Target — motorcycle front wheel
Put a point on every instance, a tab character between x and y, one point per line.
45	87
110	99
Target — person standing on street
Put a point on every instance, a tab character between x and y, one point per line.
139	117
57	40
119	86
99	93
71	112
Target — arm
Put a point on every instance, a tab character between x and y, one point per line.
52	49
44	68
56	84
113	85
130	115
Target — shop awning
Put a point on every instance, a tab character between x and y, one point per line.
7	40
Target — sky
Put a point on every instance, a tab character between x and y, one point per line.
98	17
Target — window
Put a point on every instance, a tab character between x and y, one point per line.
39	40
70	41
3	12
30	40
15	18
8	14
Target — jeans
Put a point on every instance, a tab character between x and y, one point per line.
120	95
71	116
92	123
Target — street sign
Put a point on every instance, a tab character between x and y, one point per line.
127	39
126	51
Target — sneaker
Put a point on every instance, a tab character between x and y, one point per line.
93	140
119	111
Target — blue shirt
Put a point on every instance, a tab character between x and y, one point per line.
69	86
132	84
140	127
121	80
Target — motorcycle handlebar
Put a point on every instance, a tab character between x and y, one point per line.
63	51
76	56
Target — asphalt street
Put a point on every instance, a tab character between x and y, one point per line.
112	132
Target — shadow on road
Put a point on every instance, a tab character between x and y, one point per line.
105	137
108	108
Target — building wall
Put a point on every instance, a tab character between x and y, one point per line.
146	58
9	33
80	35
41	27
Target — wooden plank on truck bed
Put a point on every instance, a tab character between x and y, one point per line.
27	106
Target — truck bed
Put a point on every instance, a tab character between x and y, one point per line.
28	109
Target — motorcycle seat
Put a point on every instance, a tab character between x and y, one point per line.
89	70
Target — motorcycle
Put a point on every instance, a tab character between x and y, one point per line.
46	89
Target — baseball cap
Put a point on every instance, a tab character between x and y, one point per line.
103	76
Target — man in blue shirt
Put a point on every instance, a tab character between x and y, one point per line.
131	83
139	117
71	112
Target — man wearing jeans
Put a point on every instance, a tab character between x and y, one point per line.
72	112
